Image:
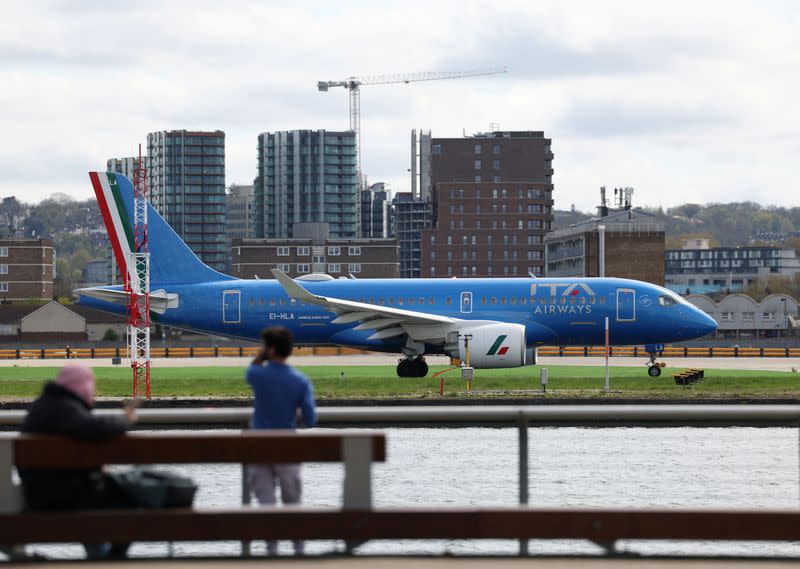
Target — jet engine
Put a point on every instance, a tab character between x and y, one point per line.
491	345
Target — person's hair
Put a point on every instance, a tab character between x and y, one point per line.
279	339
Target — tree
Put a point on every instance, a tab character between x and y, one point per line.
110	335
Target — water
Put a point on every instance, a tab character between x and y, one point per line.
569	467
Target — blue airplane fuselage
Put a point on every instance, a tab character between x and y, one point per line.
503	318
554	311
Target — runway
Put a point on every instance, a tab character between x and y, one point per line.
758	364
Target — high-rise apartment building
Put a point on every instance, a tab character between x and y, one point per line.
186	177
124	166
492	204
376	212
306	176
240	216
412	215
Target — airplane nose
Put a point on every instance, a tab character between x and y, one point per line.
705	324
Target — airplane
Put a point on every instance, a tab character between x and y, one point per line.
503	319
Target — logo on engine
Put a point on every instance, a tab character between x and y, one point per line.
496	349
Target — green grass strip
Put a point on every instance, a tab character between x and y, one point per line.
382	382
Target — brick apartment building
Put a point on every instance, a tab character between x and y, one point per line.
634	248
363	258
26	269
492	203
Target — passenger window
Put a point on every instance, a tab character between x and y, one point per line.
542	300
430	300
602	300
422	300
252	302
512	300
400	301
494	300
524	300
380	301
572	300
483	300
448	300
583	300
391	300
411	300
283	301
372	300
591	300
272	302
502	300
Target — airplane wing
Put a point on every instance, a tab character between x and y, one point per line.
387	321
160	300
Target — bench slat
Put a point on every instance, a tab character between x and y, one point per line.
417	523
36	451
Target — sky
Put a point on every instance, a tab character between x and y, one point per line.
684	101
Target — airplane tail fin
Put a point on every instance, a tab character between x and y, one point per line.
171	260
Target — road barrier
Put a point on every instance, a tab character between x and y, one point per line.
250	351
669	352
182	352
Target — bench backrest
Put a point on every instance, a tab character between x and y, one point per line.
41	451
357	450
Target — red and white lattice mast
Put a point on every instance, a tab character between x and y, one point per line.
138	287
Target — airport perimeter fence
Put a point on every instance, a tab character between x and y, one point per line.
250	351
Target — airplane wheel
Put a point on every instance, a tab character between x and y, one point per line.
654	371
403	368
420	367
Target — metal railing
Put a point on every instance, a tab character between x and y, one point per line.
519	417
250	351
459	416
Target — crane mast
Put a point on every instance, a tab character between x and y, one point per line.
137	284
353	84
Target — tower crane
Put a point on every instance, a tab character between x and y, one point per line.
353	84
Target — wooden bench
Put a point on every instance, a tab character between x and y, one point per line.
601	526
355	522
355	449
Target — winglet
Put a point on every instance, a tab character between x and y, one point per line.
294	290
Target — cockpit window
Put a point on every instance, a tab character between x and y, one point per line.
665	300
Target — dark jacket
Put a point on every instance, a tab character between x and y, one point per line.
58	411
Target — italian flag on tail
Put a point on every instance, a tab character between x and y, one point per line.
117	220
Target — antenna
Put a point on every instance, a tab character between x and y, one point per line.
137	283
602	209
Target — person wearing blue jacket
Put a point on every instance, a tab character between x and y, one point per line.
280	395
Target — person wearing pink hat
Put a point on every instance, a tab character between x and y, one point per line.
65	408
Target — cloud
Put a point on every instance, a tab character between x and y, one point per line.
600	119
687	101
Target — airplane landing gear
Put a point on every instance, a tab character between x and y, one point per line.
654	367
412	367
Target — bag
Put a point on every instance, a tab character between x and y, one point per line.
149	488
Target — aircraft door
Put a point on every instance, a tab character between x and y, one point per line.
626	304
466	302
231	307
